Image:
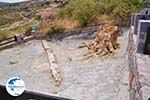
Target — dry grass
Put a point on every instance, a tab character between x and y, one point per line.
20	29
43	27
69	23
104	19
9	17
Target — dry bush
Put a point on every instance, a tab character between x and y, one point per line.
69	23
104	18
43	27
56	28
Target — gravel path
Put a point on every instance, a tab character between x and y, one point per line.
100	78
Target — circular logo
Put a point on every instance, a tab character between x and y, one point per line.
15	86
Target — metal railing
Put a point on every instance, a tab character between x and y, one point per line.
12	41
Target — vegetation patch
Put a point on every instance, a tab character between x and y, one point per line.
20	29
3	34
120	9
74	14
7	17
84	11
56	28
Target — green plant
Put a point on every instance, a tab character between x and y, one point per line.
84	11
120	9
106	7
37	17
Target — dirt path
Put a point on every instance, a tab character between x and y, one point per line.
104	78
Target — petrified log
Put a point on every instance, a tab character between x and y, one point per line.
105	42
53	64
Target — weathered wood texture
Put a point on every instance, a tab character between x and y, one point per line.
105	42
53	63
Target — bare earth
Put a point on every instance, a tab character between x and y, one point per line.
100	78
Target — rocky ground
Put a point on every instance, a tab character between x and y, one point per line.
99	78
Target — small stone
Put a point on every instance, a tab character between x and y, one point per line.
70	59
13	61
125	84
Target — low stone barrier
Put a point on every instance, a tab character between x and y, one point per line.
67	33
134	84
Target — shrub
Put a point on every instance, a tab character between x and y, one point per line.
122	13
120	9
84	11
106	7
56	28
37	17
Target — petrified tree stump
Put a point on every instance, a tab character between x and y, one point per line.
105	42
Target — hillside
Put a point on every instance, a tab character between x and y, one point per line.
2	4
56	16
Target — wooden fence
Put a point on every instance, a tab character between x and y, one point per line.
12	41
7	41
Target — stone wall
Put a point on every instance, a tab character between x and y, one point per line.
134	84
67	33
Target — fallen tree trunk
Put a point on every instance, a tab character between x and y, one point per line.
53	64
105	42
